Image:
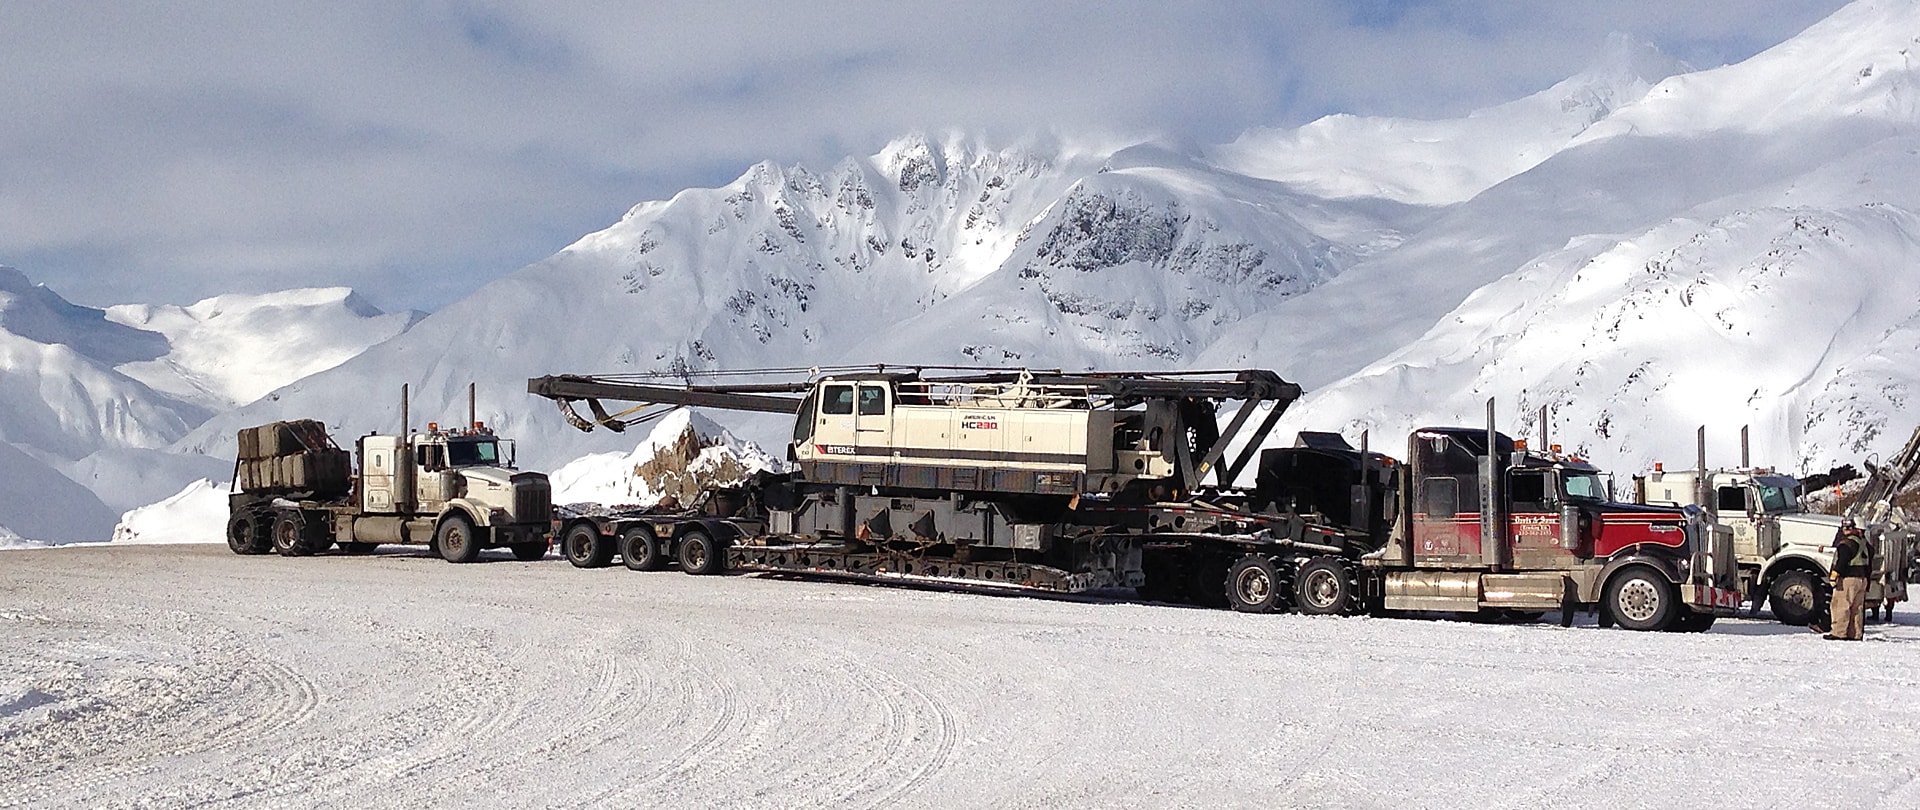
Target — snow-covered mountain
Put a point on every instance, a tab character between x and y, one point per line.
88	397
1642	248
1449	161
230	350
1737	248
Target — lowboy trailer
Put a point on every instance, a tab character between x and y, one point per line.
1070	482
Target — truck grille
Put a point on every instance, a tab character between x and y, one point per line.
532	498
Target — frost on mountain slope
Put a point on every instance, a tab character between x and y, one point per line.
232	349
1440	162
683	453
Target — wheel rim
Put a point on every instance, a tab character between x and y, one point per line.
456	541
1253	585
578	545
697	555
1639	600
1323	588
1799	594
285	534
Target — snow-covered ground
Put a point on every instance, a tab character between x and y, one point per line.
397	680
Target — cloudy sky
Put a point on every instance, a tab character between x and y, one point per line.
160	152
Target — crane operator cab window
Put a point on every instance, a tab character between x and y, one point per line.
838	401
873	400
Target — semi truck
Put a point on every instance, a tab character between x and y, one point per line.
1783	551
454	490
1071	482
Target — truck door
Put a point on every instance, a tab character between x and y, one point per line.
1536	528
1437	518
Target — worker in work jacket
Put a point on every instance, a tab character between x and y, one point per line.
1850	569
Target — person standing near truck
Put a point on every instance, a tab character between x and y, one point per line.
1850	567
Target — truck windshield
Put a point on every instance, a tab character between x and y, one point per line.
1585	486
472	453
1776	499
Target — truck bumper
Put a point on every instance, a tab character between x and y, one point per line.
521	533
1708	599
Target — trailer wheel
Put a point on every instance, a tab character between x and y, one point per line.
586	547
1254	585
456	539
1798	597
1207	580
699	554
1322	587
1642	599
1165	573
246	535
290	535
640	549
529	552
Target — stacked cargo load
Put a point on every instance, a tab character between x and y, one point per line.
293	456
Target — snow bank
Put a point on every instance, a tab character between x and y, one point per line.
684	453
197	514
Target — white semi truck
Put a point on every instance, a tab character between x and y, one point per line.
454	490
1784	552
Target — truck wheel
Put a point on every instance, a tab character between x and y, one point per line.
1322	587
290	535
1797	597
1641	599
640	549
529	552
1165	573
699	554
1254	585
457	540
1207	580
246	535
586	547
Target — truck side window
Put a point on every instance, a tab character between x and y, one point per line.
873	400
1733	499
839	400
1440	497
1528	492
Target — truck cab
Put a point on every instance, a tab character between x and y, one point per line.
1493	525
1784	552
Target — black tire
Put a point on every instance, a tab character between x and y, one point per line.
457	540
1323	587
1641	598
699	554
586	547
1165	574
640	549
1799	597
1207	580
1254	585
529	552
290	535
247	535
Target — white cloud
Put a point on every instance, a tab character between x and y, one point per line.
168	151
